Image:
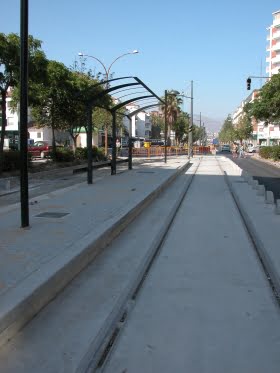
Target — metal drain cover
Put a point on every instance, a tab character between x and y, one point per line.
145	172
51	215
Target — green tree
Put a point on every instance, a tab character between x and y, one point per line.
50	102
244	128
266	107
227	133
172	109
157	127
10	71
181	128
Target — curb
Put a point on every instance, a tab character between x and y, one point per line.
23	302
265	258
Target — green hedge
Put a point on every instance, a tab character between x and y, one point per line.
63	155
97	154
67	155
270	152
11	160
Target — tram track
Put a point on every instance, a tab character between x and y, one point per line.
98	362
114	352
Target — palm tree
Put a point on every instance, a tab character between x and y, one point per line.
173	110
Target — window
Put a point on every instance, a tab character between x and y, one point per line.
10	121
39	135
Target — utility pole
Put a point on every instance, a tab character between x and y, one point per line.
200	134
190	138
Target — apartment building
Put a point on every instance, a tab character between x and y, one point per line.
266	134
273	47
140	123
239	112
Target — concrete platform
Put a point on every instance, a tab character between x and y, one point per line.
68	228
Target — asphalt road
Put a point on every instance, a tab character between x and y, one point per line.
266	174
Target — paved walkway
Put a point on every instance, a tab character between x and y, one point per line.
206	305
68	228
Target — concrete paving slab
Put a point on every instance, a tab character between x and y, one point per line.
38	262
79	318
206	305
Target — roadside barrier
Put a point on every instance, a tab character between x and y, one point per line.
158	151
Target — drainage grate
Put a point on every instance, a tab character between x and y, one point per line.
51	215
145	172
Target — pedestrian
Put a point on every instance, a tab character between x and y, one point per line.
241	151
235	151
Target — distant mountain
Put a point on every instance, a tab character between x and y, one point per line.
211	124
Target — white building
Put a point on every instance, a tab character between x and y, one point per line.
273	47
266	134
140	123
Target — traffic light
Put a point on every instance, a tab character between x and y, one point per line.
249	84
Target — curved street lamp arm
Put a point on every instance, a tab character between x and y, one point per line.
97	59
125	54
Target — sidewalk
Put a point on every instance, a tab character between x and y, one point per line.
206	305
68	228
214	284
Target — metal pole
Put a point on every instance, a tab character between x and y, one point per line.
191	125
89	143
130	145
165	128
200	140
114	148
24	113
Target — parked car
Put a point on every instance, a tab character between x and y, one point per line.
252	148
225	148
155	142
40	149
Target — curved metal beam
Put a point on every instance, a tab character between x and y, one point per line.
135	112
117	107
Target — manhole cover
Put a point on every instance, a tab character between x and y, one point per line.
145	172
51	215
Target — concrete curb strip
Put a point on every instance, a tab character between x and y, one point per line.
26	299
268	261
261	190
277	207
269	197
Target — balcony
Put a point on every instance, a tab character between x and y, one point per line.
275	59
276	35
276	47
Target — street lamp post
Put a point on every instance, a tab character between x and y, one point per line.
24	113
107	73
165	127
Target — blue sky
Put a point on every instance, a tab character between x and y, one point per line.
216	44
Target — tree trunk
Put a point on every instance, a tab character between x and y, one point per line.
53	142
106	140
3	128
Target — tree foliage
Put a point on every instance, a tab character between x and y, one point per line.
10	71
244	128
181	128
266	107
227	133
172	109
157	126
